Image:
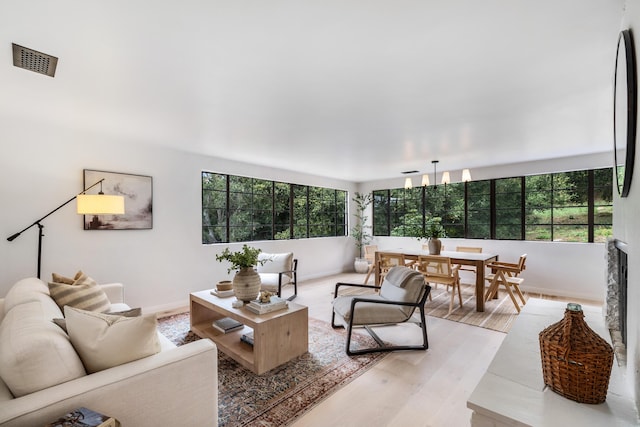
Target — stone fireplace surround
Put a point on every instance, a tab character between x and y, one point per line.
615	301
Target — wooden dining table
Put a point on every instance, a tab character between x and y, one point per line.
478	260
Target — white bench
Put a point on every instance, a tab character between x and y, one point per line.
512	391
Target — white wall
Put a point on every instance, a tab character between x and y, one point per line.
626	227
41	166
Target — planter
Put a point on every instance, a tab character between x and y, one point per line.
246	284
361	265
435	245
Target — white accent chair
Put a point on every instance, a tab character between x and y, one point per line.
278	270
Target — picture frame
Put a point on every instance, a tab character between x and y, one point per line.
137	191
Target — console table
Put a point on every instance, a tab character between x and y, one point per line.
512	391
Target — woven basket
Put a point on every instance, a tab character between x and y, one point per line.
576	362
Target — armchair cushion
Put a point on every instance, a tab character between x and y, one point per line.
276	263
369	313
403	285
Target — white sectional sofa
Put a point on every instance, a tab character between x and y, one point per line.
42	376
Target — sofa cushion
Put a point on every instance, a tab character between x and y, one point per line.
132	312
35	354
83	293
25	290
103	341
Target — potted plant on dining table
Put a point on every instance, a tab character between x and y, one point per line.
433	231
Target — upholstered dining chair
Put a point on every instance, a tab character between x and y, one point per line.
438	269
403	290
506	274
278	270
370	256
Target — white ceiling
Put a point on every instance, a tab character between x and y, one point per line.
353	89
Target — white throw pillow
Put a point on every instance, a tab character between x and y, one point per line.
103	341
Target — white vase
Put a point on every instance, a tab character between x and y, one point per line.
246	284
361	265
435	246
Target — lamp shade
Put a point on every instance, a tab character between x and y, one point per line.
100	204
407	183
466	175
425	180
446	179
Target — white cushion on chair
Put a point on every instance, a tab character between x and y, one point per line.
276	262
369	313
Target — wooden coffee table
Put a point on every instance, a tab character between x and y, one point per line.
278	336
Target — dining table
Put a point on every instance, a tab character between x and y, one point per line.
477	259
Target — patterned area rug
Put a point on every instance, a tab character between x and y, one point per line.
499	313
280	396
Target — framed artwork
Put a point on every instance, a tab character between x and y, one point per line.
137	191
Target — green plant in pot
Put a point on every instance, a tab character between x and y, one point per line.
433	231
359	230
246	282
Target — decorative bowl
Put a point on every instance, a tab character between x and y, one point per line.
224	285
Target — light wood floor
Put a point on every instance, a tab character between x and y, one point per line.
410	388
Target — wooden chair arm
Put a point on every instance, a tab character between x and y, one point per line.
504	266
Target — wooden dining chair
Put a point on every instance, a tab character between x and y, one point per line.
469	249
506	274
438	269
387	260
370	256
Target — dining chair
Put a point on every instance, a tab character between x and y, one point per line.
370	256
469	249
506	274
387	260
438	269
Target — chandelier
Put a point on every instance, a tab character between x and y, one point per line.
446	177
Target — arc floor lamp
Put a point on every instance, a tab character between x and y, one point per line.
88	204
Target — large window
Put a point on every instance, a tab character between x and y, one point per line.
569	206
239	209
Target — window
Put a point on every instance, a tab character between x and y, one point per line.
508	208
568	206
239	209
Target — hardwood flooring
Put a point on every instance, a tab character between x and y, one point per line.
408	388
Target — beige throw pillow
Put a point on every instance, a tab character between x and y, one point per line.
83	293
103	341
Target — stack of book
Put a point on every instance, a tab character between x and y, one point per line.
227	324
83	417
258	307
247	338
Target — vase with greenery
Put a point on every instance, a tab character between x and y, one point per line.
433	231
359	230
246	282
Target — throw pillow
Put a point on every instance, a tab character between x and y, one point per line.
103	341
82	293
57	278
134	312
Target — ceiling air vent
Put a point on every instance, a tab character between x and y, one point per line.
33	60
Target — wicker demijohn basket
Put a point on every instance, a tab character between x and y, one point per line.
576	362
